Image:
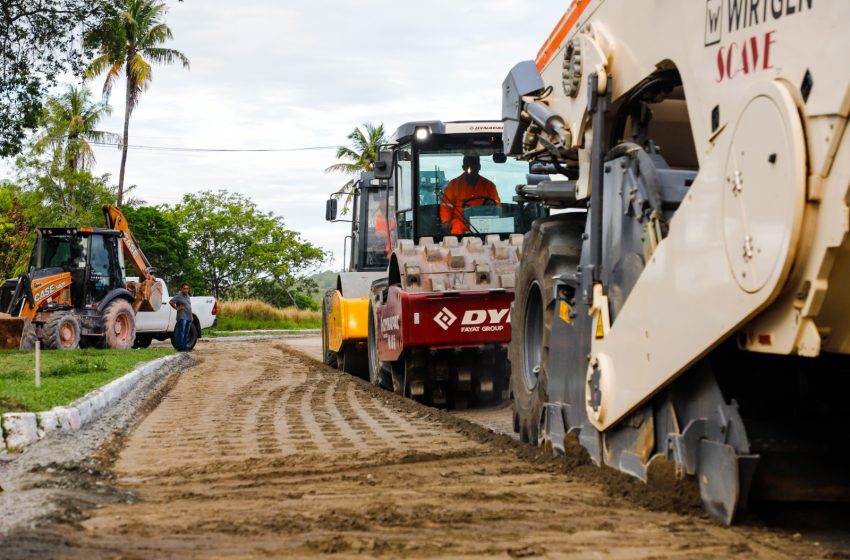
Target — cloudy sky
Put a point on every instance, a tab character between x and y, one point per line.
281	74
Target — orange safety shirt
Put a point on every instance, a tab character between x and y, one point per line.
458	190
384	230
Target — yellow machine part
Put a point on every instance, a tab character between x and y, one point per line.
348	321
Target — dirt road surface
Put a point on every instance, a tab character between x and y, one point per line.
261	452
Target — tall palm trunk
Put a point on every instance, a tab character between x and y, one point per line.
127	109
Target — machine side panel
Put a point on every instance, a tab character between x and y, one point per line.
439	321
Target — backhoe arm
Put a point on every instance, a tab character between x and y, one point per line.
148	293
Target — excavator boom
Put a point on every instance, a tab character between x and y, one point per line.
148	293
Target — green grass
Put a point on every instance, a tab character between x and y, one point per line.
251	324
65	376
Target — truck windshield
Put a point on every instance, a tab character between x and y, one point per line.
468	194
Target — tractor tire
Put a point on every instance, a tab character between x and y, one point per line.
191	338
62	332
354	361
28	337
328	356
119	325
378	373
550	249
142	341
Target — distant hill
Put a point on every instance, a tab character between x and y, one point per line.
326	281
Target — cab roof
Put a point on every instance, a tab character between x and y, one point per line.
408	130
50	231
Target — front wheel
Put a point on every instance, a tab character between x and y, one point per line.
119	325
62	332
551	249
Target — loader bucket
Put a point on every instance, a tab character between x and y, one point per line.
12	331
148	295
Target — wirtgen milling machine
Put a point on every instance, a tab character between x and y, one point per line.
696	307
439	325
345	309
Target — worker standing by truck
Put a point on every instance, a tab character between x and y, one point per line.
183	305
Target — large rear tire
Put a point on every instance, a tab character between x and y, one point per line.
550	249
328	356
119	325
62	332
378	373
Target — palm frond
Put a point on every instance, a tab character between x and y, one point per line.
346	168
160	55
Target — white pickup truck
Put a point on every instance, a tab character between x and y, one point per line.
160	324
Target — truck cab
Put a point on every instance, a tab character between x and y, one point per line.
428	156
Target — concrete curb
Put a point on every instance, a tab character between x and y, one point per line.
20	429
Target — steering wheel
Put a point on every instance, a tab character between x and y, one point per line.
488	201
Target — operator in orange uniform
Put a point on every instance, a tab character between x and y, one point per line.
469	189
383	229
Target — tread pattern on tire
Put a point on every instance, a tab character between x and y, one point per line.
53	326
116	307
551	248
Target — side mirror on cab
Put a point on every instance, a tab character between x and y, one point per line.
330	209
384	165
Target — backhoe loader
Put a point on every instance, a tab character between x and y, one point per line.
74	291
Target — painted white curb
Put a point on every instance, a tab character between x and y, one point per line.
21	429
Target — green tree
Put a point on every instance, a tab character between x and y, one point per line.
39	41
165	245
130	42
61	197
69	125
361	155
14	232
236	244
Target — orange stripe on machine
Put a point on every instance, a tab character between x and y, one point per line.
556	38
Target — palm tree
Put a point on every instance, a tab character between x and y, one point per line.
129	42
70	121
360	156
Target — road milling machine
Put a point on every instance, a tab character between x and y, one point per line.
345	309
74	292
694	305
439	319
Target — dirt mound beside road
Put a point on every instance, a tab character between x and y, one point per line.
260	452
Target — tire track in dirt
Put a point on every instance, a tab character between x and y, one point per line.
317	464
